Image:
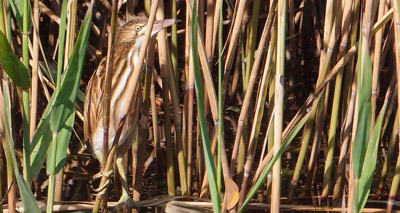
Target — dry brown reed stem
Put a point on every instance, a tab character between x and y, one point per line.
329	77
251	148
329	18
217	11
278	115
345	30
249	91
209	31
251	39
391	101
168	76
263	158
317	117
235	79
140	141
134	163
35	67
71	30
342	161
11	186
190	124
206	71
49	13
376	62
4	84
317	109
234	34
154	117
189	101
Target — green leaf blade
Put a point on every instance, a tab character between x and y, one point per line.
12	65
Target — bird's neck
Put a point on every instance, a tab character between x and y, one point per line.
125	58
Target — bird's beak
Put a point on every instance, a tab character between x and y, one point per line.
161	24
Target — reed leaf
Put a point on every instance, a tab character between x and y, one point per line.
63	108
28	200
12	65
60	109
285	143
363	114
17	8
371	153
215	197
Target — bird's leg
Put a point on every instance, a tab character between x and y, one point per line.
125	201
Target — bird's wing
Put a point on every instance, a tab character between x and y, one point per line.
93	107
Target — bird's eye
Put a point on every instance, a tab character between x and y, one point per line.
137	28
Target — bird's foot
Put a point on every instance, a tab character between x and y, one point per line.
102	189
101	174
125	202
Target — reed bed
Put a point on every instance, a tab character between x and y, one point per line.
272	105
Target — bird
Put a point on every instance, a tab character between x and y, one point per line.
127	45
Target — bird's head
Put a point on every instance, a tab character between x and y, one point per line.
133	31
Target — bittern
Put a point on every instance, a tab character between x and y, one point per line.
126	51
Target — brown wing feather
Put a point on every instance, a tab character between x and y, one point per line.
93	102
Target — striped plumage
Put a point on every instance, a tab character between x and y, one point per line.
126	50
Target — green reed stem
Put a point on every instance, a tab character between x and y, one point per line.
25	92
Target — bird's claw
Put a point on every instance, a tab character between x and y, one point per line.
101	174
102	189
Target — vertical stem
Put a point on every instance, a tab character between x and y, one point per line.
252	37
336	101
71	31
220	117
174	44
35	67
279	95
169	88
25	93
59	177
50	193
190	112
376	62
10	175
